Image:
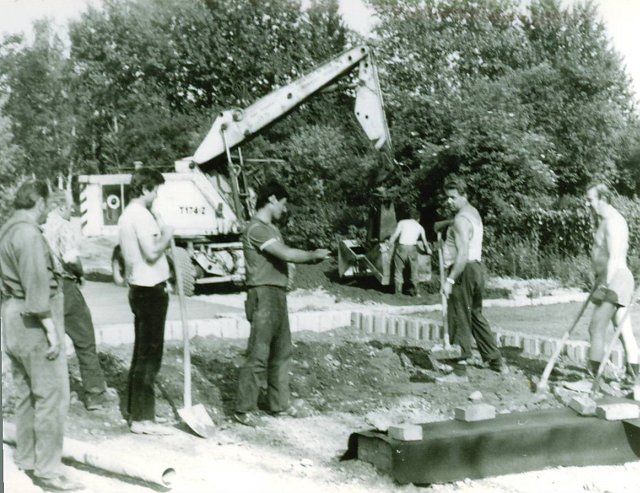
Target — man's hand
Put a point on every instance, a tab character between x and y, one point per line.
447	288
54	345
320	254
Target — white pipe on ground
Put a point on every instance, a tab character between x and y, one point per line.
125	465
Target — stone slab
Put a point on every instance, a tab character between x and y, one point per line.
405	432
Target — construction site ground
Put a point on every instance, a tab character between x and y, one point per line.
341	380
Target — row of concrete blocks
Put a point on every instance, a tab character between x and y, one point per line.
433	331
232	327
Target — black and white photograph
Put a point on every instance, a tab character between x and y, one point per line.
320	246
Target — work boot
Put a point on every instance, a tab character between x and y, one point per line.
499	366
57	483
291	412
95	401
247	419
459	374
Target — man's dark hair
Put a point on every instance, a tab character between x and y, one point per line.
455	182
270	188
29	192
603	191
144	179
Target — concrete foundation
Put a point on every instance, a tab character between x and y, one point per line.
510	443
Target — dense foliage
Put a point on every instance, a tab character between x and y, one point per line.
527	100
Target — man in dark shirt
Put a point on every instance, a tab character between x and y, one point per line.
33	330
269	349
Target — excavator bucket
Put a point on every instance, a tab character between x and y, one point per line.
369	105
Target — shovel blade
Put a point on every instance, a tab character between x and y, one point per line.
197	418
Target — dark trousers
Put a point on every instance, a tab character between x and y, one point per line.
268	352
465	315
79	327
405	255
149	306
41	387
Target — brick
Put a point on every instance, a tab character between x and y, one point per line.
406	432
475	412
618	411
583	405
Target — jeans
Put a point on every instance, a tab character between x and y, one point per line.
41	387
149	306
269	350
79	327
465	315
405	254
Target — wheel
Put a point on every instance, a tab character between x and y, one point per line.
187	270
117	267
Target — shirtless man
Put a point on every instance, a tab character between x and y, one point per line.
407	235
613	296
465	280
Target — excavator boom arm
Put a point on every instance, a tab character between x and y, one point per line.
232	127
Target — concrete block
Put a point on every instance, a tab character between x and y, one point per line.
412	329
475	412
356	320
636	392
390	326
244	329
367	323
435	331
618	411
378	324
583	405
406	432
401	327
424	331
499	339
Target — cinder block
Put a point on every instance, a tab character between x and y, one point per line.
412	329
367	323
390	325
406	432
618	411
401	327
356	320
378	324
435	332
583	405
475	412
617	357
424	331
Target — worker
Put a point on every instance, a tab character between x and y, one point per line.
408	235
143	241
77	318
614	280
464	283
269	349
33	338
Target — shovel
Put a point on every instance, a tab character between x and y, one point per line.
194	416
445	320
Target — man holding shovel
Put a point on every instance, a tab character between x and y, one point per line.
614	281
143	242
269	349
464	284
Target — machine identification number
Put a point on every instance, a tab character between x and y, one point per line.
191	210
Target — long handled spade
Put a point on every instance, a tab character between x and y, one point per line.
445	320
542	385
194	416
609	347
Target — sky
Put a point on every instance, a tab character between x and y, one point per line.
620	16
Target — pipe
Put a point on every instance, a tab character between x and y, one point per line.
125	465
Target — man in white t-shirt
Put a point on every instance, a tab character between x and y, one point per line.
408	234
143	242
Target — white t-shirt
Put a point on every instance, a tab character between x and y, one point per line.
410	231
137	222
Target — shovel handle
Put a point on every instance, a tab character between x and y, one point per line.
443	298
185	326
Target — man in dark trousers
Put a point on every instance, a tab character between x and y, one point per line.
269	349
33	338
77	317
143	241
464	284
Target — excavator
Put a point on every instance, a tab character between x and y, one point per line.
208	197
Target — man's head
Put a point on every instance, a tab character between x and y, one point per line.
598	194
455	189
33	196
60	202
272	196
144	185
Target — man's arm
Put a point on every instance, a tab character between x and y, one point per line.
462	230
616	238
444	224
396	234
295	255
